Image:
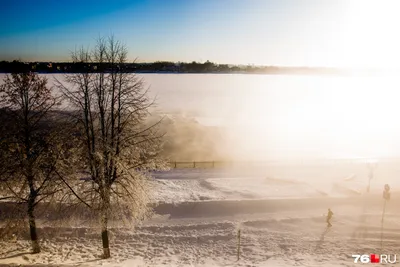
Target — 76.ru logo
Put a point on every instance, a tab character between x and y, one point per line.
375	258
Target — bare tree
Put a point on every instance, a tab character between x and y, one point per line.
111	107
29	153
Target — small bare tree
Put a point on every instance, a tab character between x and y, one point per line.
111	107
29	153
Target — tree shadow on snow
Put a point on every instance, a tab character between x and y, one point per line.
361	231
15	255
93	260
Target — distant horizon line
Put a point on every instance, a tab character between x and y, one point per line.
215	63
183	62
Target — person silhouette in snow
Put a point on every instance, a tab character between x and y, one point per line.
329	217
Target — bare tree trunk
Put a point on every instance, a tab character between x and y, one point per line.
104	236
31	216
32	226
104	224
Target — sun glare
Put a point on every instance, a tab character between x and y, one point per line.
368	36
325	117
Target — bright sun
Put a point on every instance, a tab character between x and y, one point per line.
336	117
369	34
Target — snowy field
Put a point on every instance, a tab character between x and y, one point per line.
272	181
199	212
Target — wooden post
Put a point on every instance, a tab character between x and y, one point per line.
238	247
194	164
175	164
213	164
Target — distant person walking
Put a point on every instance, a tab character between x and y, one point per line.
329	217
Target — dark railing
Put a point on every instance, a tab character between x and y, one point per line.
219	164
196	164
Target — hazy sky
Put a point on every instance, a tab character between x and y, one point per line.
343	33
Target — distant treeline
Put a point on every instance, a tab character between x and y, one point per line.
160	67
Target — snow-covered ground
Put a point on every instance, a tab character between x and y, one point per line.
280	217
180	185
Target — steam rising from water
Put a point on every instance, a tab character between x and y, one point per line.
291	116
257	117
